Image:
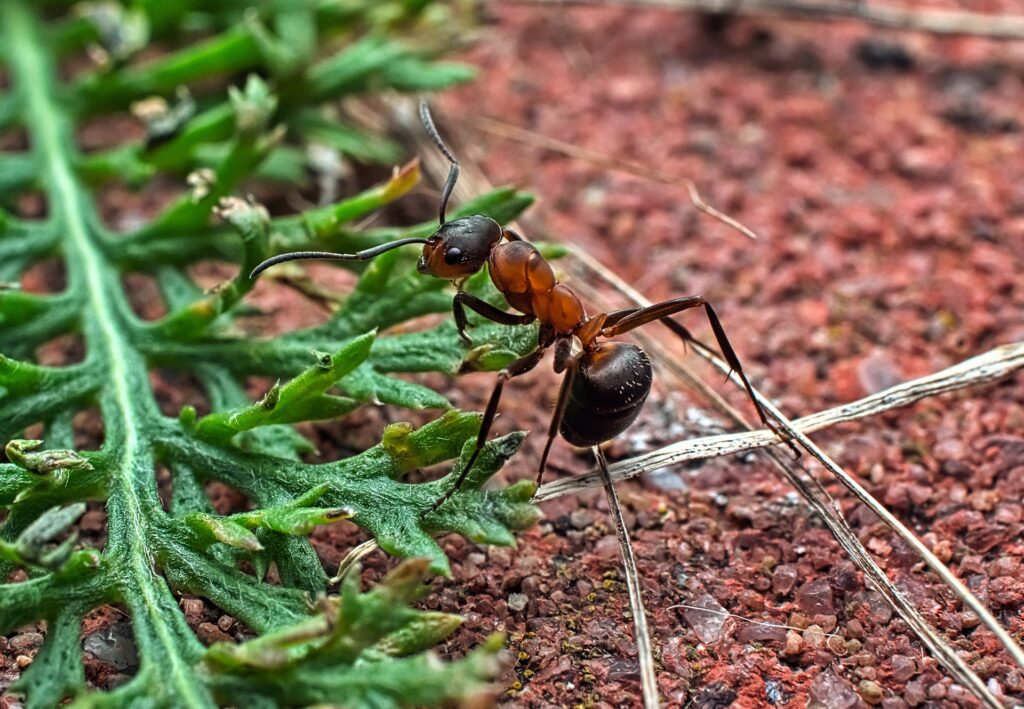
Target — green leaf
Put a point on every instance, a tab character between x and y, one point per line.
258	565
46	462
210	529
32	546
346	651
301	399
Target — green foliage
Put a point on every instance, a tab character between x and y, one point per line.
365	647
357	649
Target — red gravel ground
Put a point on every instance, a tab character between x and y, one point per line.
884	174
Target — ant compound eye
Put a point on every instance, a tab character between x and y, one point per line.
452	256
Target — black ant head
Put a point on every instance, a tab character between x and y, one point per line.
460	247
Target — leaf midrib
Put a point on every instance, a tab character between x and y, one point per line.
49	137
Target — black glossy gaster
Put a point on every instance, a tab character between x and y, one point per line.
609	390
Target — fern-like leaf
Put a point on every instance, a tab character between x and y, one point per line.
357	649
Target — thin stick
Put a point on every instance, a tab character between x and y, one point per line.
636	602
993	365
637	169
941	22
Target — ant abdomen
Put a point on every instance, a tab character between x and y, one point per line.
609	389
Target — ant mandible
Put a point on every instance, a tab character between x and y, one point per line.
604	384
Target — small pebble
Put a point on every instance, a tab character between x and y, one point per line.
903	668
208	633
784	579
225	623
193	610
707	617
113	645
837	645
794	643
815	597
870	691
831	692
27	641
607	547
581	518
517	601
949	449
914	693
814	637
22	661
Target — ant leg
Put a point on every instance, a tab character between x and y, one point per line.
556	419
511	234
616	316
662	311
520	366
465	300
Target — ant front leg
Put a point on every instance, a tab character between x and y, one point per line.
481	307
662	311
518	367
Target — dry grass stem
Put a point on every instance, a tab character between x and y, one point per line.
352	558
886	15
810	488
648	681
991	366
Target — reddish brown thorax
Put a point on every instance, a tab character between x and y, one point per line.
528	283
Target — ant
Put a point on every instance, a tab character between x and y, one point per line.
604	385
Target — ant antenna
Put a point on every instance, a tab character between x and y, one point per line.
364	255
453	173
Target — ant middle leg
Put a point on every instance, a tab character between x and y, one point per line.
516	368
564	362
481	307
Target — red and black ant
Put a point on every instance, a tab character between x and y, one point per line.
604	385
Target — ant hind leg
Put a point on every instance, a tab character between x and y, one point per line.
663	311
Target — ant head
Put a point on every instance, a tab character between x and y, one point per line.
460	247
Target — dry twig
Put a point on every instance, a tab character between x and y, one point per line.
991	366
648	681
887	15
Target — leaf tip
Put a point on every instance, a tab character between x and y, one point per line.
402	180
